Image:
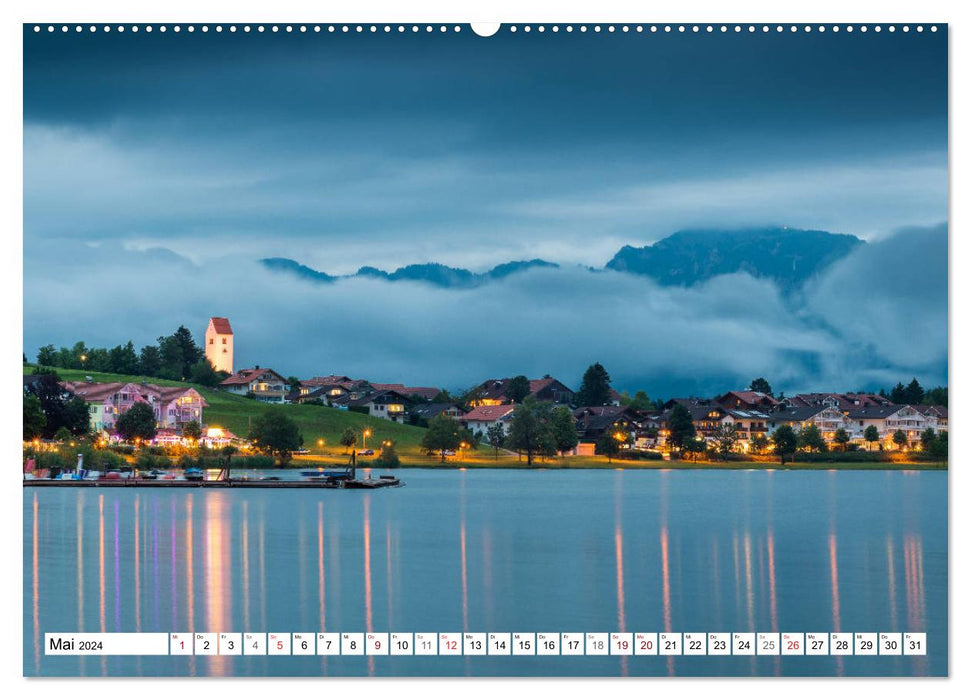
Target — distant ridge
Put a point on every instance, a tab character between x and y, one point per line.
785	255
789	257
431	273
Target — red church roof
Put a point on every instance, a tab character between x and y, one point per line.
221	325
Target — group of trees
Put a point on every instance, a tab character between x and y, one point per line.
275	433
914	395
48	409
538	429
175	356
444	435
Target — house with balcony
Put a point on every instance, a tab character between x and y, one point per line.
481	418
389	405
263	384
173	406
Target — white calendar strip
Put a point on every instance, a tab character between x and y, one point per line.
487	644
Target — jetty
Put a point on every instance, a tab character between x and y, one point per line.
313	479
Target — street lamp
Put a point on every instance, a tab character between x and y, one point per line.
320	443
366	434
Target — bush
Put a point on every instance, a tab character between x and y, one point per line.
639	454
359	409
388	459
147	461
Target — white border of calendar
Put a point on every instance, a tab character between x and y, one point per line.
828	11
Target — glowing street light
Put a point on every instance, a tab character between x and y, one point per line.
366	433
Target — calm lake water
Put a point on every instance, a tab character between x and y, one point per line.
500	551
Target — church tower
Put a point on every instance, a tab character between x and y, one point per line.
219	344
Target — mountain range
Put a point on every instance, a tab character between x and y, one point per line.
787	256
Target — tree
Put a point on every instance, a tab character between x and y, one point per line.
443	397
443	435
927	439
640	402
61	409
871	435
595	387
934	397
47	355
695	446
530	431
564	427
202	372
173	361
293	383
899	439
388	459
191	353
63	434
681	427
841	438
727	437
123	359
34	418
137	422
760	443
785	442
149	361
912	394
517	389
496	436
192	430
608	444
348	438
939	446
275	433
915	392
761	385
810	438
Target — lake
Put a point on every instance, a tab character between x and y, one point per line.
497	551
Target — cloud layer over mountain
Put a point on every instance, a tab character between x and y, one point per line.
872	319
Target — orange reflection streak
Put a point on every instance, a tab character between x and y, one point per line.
138	581
368	610
244	535
36	588
217	593
621	608
666	590
834	585
910	582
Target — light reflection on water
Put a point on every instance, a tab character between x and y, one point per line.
497	551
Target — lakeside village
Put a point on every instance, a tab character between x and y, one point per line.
519	420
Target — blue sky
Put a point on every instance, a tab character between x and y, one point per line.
184	158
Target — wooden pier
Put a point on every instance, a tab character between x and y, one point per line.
215	484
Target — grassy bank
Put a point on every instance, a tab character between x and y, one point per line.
234	413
